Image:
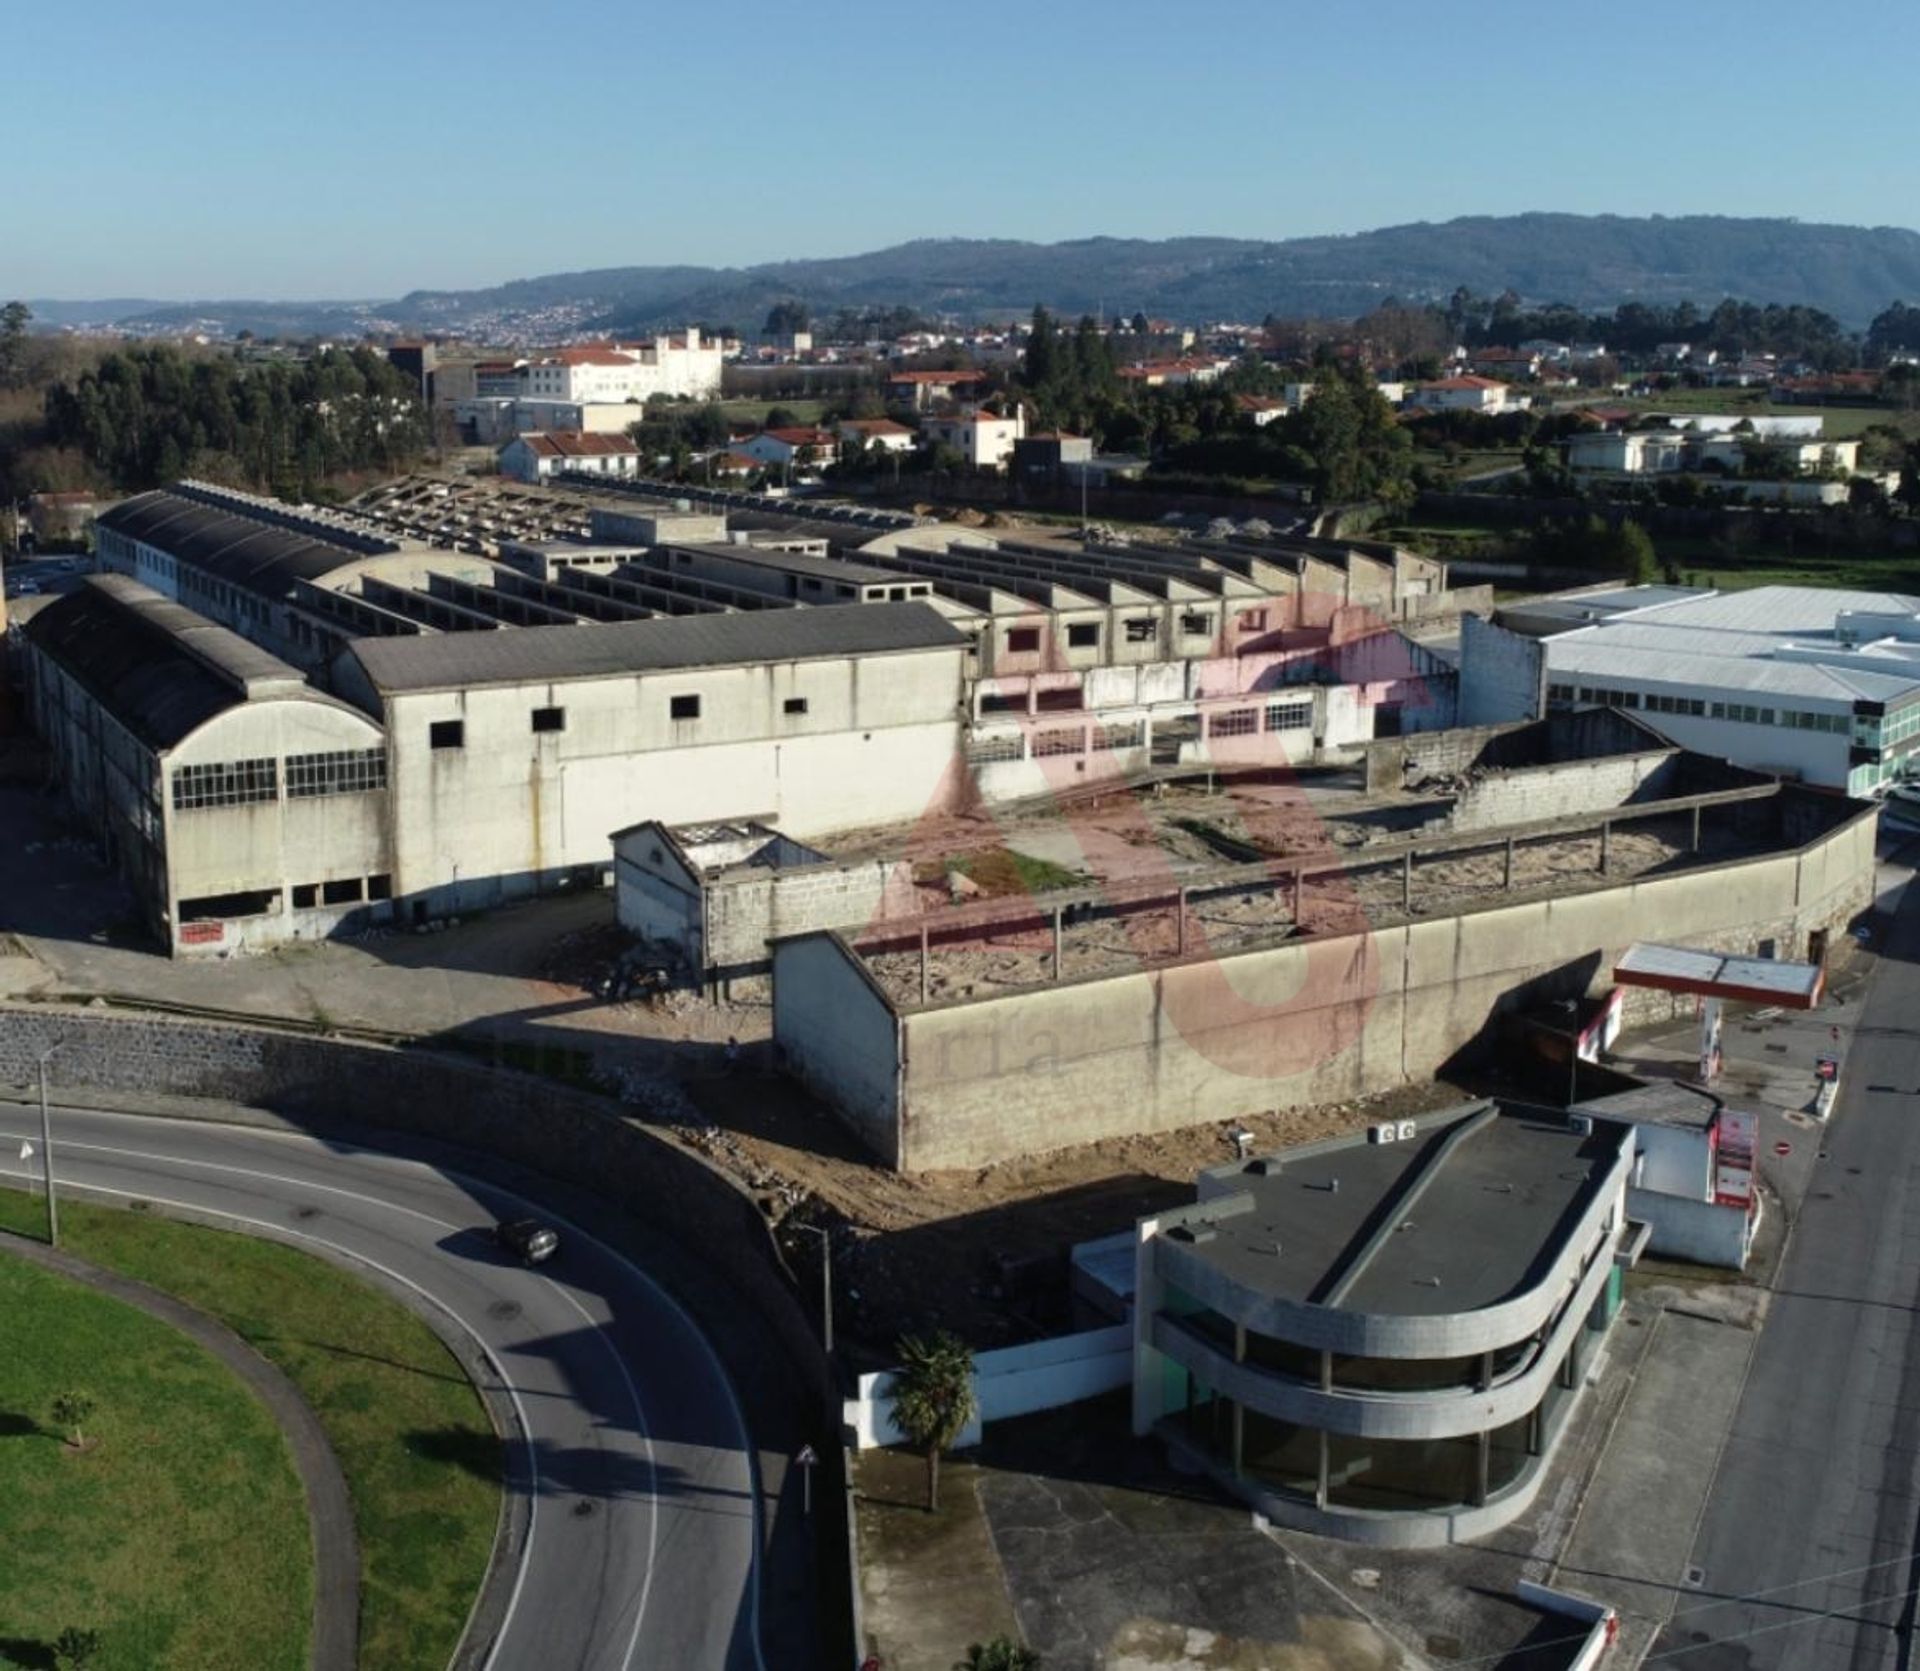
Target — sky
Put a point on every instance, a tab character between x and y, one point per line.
210	149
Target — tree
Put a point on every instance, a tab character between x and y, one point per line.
785	318
1633	547
14	319
75	1648
70	1410
933	1398
1001	1654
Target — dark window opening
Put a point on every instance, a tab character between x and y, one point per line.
213	907
1143	629
379	887
794	705
1196	626
347	891
549	719
447	733
1058	701
1083	635
305	895
683	707
1253	620
992	703
1023	640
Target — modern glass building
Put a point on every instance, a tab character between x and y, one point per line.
1381	1337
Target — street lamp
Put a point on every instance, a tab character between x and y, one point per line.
826	1279
46	1146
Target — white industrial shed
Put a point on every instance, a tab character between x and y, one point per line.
243	806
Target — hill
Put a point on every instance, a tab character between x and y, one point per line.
1590	261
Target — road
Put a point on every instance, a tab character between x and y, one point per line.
640	1543
1811	1522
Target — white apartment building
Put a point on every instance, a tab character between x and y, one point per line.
680	365
1462	394
984	439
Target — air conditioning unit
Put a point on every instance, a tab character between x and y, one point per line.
1385	1132
1407	1129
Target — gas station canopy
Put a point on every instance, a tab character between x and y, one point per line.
1760	980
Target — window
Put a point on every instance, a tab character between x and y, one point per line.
305	895
683	707
1196	626
346	772
232	783
1289	716
985	751
549	719
1050	743
347	891
447	733
1240	722
794	705
1023	640
1142	629
1083	635
1253	620
379	887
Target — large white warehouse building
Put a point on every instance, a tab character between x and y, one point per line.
1815	683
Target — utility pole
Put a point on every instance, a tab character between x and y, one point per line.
46	1149
826	1283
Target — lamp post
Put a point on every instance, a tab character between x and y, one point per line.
46	1147
826	1281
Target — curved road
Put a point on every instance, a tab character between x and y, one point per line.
640	1545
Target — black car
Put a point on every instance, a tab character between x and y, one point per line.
528	1239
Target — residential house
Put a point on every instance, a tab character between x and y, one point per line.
1514	364
1464	394
545	454
923	391
790	449
883	433
983	438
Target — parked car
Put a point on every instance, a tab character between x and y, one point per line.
528	1240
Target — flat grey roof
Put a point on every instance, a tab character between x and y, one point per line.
532	655
1463	1215
1716	974
791	562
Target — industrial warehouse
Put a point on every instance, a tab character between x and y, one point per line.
600	660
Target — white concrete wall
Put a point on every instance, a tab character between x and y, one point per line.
837	1033
1012	1381
1678	1160
1700	1231
1502	674
877	744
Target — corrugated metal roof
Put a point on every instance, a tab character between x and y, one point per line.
234	548
155	666
533	655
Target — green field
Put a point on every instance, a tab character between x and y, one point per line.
1841	422
755	411
179	1533
420	1457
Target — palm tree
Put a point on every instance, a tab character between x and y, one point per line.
1001	1654
933	1398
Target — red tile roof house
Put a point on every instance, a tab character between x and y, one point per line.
877	432
790	446
543	454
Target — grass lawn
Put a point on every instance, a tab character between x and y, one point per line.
179	1533
755	411
400	1412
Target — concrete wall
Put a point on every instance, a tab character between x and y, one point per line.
1700	1231
1502	674
1678	1160
1312	1021
1561	791
486	821
748	908
1013	1381
836	1032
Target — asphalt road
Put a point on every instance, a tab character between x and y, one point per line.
640	1546
1810	1529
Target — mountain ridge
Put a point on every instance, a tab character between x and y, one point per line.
1590	261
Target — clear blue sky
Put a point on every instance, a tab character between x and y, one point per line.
207	148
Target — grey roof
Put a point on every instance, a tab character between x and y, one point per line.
158	668
791	562
238	549
1468	1213
534	655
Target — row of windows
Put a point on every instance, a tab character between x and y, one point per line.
452	733
1742	713
230	783
345	772
1142	629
